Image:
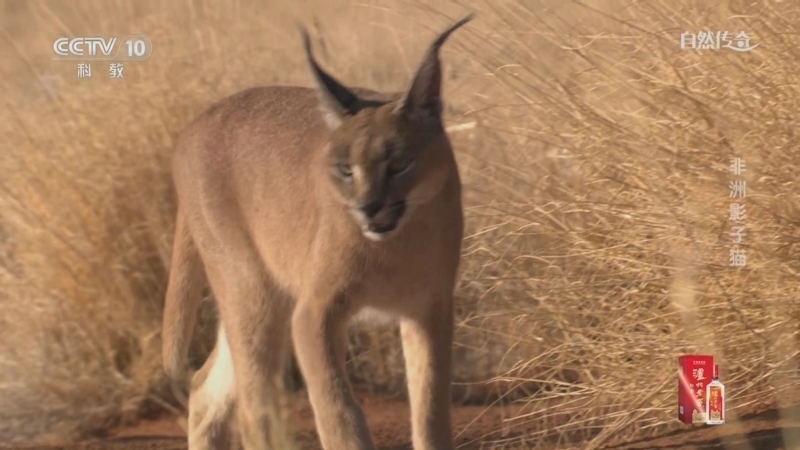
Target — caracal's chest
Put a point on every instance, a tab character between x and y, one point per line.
412	275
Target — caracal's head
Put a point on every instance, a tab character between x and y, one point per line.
386	158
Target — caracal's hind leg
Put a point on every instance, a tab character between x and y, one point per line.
256	318
427	337
211	401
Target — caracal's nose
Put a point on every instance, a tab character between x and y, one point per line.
371	209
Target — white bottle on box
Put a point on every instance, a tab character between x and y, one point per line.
715	400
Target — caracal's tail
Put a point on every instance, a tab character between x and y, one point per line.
184	292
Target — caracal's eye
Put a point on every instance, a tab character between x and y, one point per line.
398	166
344	170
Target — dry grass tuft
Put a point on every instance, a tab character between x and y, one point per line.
596	185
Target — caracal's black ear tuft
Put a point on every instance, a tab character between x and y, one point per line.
335	100
423	100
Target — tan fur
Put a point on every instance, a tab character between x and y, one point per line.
287	198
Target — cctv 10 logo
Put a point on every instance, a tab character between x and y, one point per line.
129	48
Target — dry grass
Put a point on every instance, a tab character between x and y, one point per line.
596	185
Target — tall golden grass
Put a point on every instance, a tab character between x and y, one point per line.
596	185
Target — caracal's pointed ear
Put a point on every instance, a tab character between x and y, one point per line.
423	101
335	100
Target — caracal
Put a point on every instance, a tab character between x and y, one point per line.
302	208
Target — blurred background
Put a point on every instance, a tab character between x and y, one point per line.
595	155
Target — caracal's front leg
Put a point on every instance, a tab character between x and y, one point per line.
428	350
319	333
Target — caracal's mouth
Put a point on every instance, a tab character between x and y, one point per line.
386	223
381	229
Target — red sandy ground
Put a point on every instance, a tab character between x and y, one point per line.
389	423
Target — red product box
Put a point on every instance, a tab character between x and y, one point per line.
694	374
